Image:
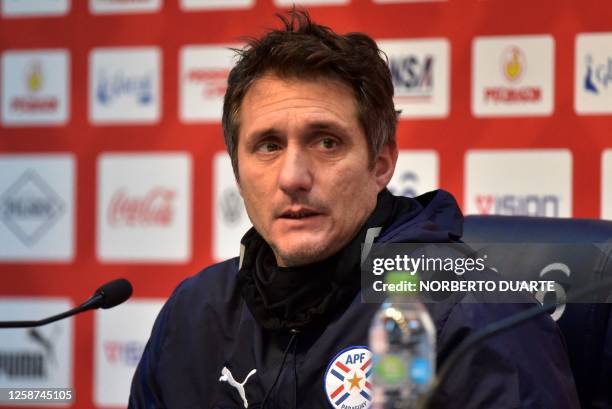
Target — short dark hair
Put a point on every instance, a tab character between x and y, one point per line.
306	50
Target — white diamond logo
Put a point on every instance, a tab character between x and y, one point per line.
29	207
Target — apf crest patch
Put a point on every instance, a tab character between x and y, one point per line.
347	379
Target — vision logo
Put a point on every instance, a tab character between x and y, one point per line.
513	63
30	207
528	182
523	205
597	76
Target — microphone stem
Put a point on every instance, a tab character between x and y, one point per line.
87	305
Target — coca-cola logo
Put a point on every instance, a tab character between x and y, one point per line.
154	208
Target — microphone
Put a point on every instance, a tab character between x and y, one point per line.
502	325
109	295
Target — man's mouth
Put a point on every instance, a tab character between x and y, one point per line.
298	214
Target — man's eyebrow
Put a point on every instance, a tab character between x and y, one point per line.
327	126
262	134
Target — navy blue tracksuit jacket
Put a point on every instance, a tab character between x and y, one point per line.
207	351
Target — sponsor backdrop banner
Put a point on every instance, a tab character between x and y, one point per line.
112	161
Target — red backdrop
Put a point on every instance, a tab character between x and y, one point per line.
170	28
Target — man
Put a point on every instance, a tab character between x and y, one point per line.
309	124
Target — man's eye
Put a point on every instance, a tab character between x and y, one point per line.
268	147
328	143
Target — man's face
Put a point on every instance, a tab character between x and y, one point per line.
303	167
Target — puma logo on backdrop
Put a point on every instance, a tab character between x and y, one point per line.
226	376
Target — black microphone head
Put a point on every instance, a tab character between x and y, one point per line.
114	293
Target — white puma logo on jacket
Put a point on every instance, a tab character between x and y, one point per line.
226	376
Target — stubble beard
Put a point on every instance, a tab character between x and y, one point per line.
303	255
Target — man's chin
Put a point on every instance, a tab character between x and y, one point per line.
302	254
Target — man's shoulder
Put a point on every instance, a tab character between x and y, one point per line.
208	294
456	321
215	283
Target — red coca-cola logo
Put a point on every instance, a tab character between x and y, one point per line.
154	208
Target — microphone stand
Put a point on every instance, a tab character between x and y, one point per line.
107	296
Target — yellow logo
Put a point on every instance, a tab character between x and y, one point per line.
34	77
513	63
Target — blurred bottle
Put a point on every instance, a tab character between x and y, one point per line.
403	344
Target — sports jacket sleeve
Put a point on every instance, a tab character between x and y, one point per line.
525	367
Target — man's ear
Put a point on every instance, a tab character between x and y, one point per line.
384	166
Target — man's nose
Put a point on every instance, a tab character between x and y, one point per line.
296	172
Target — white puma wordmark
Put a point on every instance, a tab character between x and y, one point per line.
226	376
